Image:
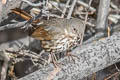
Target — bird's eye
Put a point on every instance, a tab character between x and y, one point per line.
74	29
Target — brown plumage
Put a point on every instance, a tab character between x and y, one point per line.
56	35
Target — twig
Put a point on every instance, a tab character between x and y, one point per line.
33	4
90	24
112	75
86	5
15	25
22	54
61	5
51	15
57	8
86	16
64	10
87	13
114	6
117	68
5	65
71	9
114	18
94	38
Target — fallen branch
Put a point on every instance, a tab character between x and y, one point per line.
92	58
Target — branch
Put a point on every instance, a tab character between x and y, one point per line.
71	9
33	4
11	26
103	14
65	9
92	58
102	18
5	65
86	5
1	7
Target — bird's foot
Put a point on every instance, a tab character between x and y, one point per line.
71	56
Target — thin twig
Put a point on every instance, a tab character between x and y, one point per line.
71	9
64	10
33	4
10	26
5	65
57	8
86	5
61	5
112	75
117	68
87	16
87	12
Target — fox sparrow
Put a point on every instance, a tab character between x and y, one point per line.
56	35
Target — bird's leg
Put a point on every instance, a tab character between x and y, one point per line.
47	61
81	41
11	73
68	53
54	60
109	31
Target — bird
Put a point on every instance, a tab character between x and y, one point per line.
56	35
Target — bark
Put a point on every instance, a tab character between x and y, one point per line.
103	14
92	58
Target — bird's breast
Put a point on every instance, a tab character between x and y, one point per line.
61	44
